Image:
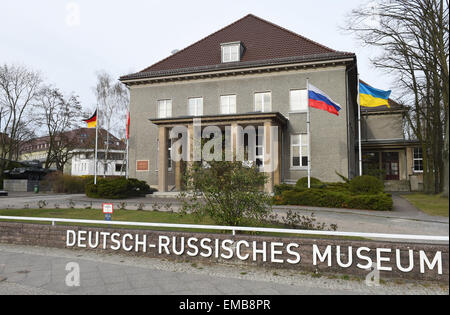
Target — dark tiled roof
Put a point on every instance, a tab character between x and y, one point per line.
82	138
394	106
264	43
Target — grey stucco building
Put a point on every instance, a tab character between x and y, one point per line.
253	73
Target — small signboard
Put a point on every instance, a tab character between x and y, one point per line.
108	208
108	216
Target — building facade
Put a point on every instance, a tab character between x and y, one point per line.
250	73
80	144
386	152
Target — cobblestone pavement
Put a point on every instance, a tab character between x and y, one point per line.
38	270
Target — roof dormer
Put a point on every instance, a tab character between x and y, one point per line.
231	52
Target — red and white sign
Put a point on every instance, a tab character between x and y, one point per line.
108	208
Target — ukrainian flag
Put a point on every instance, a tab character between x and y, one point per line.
372	97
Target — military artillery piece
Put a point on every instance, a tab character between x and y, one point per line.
26	177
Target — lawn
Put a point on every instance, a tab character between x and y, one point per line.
119	215
430	204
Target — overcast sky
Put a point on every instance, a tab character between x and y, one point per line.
122	37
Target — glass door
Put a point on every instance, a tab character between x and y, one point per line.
391	165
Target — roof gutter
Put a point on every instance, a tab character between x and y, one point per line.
237	68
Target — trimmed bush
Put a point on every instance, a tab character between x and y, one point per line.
366	184
337	187
373	202
278	189
117	188
303	183
334	199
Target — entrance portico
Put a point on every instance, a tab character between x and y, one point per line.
268	150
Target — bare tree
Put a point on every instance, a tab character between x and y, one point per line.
112	98
413	37
19	87
58	115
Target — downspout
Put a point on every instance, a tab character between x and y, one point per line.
350	148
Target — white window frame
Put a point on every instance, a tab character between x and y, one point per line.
227	105
300	145
231	52
195	106
417	159
297	110
263	105
165	106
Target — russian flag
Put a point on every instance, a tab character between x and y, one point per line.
320	100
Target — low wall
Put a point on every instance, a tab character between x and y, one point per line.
19	185
393	259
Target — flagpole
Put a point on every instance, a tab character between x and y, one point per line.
126	166
96	142
359	131
308	122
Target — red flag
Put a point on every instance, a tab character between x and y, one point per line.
128	125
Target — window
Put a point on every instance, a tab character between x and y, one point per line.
195	106
231	52
298	100
259	150
169	154
299	150
164	108
263	102
228	104
120	167
418	160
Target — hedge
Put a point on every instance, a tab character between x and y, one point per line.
62	183
366	184
117	188
278	189
334	199
314	183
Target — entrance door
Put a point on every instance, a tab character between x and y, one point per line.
391	165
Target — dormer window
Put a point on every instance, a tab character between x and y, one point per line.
231	51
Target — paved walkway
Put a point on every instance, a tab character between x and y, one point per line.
38	270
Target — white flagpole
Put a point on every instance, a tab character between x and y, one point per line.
359	132
126	166
308	122
96	142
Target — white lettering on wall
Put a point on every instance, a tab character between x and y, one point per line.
437	260
322	258
363	257
381	259
293	253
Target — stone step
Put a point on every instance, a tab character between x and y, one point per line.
396	185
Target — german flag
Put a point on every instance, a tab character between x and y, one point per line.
92	122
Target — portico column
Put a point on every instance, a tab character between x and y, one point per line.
162	159
278	148
268	159
178	176
234	141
